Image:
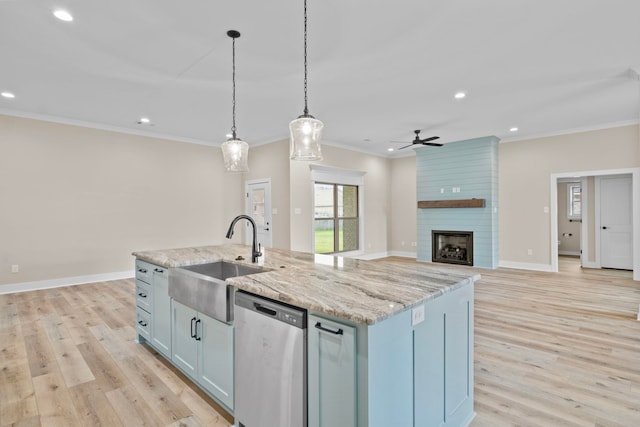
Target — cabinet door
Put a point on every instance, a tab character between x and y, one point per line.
331	373
215	358
185	347
161	312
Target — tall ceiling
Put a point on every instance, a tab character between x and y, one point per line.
377	69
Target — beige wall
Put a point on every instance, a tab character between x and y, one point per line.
272	161
376	197
525	168
403	197
78	201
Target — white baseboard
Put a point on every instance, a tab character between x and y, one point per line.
369	257
571	253
590	265
403	254
525	266
65	281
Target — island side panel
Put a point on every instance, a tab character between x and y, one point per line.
390	372
443	359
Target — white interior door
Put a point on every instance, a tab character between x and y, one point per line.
258	194
616	231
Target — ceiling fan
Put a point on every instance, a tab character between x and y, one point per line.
425	141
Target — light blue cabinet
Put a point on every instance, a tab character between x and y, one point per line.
161	312
185	347
331	371
215	359
203	349
408	372
443	355
153	315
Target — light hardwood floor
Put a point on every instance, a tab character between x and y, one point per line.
551	350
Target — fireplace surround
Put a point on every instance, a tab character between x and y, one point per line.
452	247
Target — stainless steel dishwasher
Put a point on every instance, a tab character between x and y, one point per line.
270	363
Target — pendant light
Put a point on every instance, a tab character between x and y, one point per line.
306	130
234	150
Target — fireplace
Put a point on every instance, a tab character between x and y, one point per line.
452	247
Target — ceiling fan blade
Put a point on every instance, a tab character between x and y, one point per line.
432	144
431	138
406	146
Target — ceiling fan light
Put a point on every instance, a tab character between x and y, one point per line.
235	153
305	135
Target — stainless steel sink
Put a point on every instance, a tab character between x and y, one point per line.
203	288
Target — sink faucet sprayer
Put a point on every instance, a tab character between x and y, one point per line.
255	254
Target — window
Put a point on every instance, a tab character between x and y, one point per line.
574	201
335	218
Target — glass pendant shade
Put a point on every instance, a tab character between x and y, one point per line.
305	136
236	155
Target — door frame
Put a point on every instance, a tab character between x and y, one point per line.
247	208
635	195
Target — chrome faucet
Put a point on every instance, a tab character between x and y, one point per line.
255	254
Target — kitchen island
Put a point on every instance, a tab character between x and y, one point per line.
405	352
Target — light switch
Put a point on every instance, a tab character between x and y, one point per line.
274	211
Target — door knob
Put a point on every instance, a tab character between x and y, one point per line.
604	228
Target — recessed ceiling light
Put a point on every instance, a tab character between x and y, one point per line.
144	121
7	95
389	149
459	95
63	15
513	129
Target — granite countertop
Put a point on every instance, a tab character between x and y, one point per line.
360	291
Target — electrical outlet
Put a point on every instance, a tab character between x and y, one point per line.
15	268
414	244
417	315
529	251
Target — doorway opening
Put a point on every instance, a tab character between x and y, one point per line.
591	232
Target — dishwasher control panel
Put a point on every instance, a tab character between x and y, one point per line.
288	314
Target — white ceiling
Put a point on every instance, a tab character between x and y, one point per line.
377	69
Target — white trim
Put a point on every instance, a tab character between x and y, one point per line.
571	253
403	254
590	265
331	175
603	126
368	257
526	266
65	281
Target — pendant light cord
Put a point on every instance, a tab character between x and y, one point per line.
306	109
233	50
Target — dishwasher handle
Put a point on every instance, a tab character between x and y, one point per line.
265	310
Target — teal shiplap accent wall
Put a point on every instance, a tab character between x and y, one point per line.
472	166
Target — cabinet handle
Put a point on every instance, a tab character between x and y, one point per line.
159	270
142	270
142	323
193	322
141	295
331	331
198	338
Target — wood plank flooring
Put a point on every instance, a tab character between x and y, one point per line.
551	349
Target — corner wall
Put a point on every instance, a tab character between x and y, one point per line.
77	201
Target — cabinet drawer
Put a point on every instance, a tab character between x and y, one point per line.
143	323
143	295
144	271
